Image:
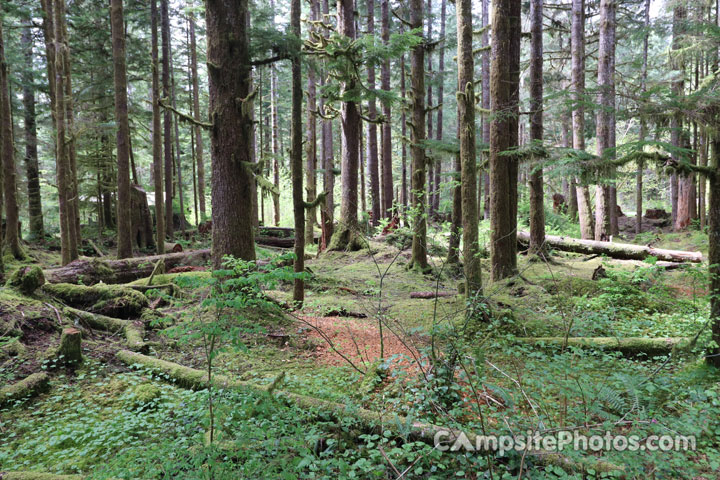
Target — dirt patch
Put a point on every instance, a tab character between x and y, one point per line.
358	340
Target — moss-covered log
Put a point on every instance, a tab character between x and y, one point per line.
70	349
92	271
627	346
621	251
197	379
27	387
133	331
111	300
37	476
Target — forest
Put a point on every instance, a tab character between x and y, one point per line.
359	239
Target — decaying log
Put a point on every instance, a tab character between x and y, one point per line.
27	279
132	330
632	346
27	387
37	476
92	271
112	300
431	294
140	219
194	379
622	251
279	242
172	247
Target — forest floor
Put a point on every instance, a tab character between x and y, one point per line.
362	341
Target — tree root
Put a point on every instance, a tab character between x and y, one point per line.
132	331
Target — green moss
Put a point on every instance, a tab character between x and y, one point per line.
12	348
27	279
134	337
27	387
37	476
144	395
111	300
346	238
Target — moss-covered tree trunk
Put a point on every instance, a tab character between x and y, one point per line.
123	130
537	204
372	138
484	177
296	159
32	168
231	103
403	134
584	207
311	143
643	123
468	162
157	151
504	94
346	235
437	171
417	139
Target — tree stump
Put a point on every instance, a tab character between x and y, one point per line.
70	346
27	279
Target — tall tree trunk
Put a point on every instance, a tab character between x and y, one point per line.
178	151
485	79
296	159
679	183
157	135
230	137
643	123
328	211
346	235
199	160
403	134
32	168
605	115
68	240
441	97
504	93
713	356
311	145
468	162
386	162
578	114
429	156
537	204
7	154
124	226
167	119
372	140
417	149
276	147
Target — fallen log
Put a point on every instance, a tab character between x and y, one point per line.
133	331
632	346
27	387
622	251
111	300
94	270
194	379
432	294
279	242
172	247
37	476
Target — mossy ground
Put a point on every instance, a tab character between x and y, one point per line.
102	409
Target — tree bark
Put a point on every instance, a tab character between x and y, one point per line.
372	140
537	204
484	178
386	161
346	234
643	123
468	162
199	160
605	115
296	160
429	155
157	151
713	355
7	150
167	119
578	114
311	145
680	184
403	134
123	130
230	137
504	93
440	98
417	149
328	211
32	168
